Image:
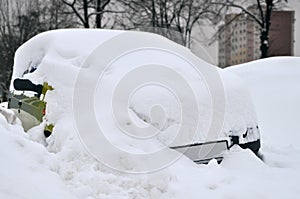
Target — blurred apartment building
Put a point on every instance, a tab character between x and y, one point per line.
239	41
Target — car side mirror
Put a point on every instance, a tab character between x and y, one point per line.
27	85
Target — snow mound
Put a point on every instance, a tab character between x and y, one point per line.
274	86
26	166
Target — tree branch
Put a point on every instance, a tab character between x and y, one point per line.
72	5
240	7
261	12
105	11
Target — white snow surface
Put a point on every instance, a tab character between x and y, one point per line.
275	88
60	167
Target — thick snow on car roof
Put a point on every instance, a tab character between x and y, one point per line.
59	55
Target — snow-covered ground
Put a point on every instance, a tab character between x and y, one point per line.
60	167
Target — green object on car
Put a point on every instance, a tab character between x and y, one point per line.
30	110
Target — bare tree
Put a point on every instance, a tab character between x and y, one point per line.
10	38
53	17
176	15
19	21
261	15
92	11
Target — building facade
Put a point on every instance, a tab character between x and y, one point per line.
239	38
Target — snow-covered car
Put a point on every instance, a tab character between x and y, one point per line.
61	56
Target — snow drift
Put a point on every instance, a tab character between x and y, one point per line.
274	86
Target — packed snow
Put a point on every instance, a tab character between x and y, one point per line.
60	167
